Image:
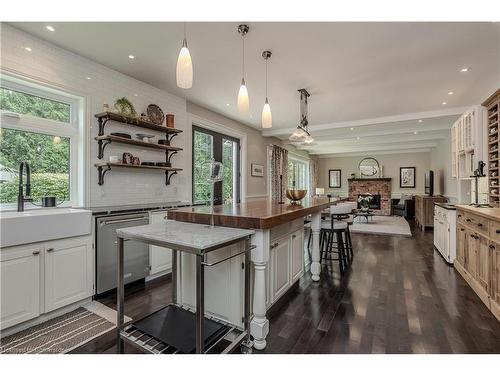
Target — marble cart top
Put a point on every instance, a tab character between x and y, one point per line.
177	235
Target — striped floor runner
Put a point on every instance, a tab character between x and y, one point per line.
61	334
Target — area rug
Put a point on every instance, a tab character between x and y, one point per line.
63	333
385	225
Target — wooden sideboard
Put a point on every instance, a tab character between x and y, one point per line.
424	210
478	252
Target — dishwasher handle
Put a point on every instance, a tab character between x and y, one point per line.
103	223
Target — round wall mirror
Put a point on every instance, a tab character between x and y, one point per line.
369	167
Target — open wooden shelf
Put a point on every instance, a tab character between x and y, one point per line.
102	168
104	140
104	117
492	105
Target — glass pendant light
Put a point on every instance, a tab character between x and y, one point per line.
243	101
267	117
184	71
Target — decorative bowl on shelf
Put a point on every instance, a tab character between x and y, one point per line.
295	195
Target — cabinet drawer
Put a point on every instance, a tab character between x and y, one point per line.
495	231
461	217
479	223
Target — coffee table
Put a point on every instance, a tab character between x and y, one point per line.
366	214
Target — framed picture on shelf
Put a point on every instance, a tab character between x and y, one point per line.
335	178
407	177
257	170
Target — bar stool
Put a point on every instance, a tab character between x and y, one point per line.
307	226
337	229
350	206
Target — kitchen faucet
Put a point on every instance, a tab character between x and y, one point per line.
21	198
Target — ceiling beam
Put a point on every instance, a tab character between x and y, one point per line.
373	121
371	153
376	147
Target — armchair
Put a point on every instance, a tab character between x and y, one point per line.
404	206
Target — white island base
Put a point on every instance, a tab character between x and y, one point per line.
278	263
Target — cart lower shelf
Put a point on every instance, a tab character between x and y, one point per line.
171	330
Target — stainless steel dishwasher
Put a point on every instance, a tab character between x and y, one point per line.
136	254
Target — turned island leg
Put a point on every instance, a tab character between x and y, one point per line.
259	326
315	262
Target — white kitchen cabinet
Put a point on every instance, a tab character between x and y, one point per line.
160	259
454	151
297	254
42	277
445	232
280	267
68	271
20	284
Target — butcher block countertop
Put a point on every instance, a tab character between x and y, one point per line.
257	214
489	213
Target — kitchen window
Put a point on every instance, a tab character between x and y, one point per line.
43	127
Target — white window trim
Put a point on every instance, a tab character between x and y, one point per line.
304	161
74	130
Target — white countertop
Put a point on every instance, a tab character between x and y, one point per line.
194	238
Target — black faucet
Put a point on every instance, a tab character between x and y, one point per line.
21	198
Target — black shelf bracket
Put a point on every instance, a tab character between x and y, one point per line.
102	122
168	175
101	145
172	153
101	171
170	136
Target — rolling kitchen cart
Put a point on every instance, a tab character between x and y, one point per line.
177	328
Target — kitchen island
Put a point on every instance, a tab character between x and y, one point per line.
278	256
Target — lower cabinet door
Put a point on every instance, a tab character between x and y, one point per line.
280	271
68	271
461	244
160	258
20	284
297	254
495	274
483	262
471	255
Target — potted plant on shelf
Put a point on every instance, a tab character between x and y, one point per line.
364	202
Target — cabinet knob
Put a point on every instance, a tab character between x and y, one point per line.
462	229
459	215
36	252
50	249
498	231
467	220
492	247
479	224
294	235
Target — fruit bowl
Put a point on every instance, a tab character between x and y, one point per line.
295	195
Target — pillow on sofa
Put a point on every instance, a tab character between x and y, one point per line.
404	197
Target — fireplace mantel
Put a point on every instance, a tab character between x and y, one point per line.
370	179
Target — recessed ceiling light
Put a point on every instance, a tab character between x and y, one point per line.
89	78
358	138
352	128
131	57
136	95
50	28
464	70
450	92
444	103
227	104
420	120
415	132
28	49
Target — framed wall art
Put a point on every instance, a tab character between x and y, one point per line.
407	177
335	178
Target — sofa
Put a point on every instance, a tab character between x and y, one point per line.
404	206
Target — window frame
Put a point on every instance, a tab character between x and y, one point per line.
72	130
305	162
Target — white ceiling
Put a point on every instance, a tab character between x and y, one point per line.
378	78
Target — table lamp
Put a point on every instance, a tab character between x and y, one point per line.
320	191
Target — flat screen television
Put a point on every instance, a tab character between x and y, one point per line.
429	183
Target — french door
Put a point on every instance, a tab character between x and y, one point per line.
208	144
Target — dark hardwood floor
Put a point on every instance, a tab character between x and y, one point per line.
399	297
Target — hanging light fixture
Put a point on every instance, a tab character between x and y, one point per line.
301	134
243	102
184	71
267	117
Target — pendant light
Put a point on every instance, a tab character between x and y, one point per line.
184	71
267	117
243	102
301	135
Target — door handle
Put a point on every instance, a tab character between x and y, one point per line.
36	252
50	249
122	221
274	245
492	247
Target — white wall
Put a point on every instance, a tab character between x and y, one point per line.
390	163
67	71
440	159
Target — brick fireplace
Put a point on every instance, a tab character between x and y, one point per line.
373	186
